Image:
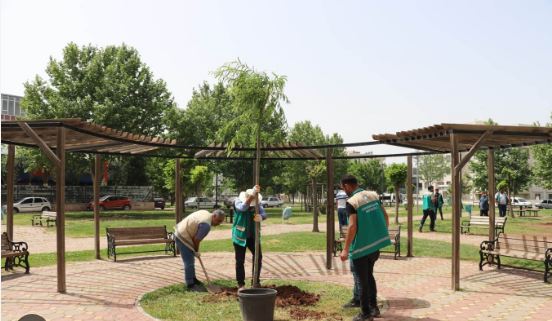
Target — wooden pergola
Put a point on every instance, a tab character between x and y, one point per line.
458	139
55	137
58	136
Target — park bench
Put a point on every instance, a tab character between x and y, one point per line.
124	236
394	235
535	248
46	216
16	253
527	212
483	222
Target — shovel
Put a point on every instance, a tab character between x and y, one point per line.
211	288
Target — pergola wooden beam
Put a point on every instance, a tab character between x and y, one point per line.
41	144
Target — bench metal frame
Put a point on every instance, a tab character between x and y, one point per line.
487	256
16	254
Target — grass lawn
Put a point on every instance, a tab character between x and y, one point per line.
175	303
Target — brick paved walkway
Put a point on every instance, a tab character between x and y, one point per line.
414	289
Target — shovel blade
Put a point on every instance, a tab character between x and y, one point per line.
212	288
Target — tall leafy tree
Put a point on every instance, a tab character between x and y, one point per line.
542	166
433	167
396	175
110	86
256	98
370	174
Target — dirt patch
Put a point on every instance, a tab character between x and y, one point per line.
288	295
302	314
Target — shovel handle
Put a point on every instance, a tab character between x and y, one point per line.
204	271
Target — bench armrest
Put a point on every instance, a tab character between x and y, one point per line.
19	246
487	246
548	254
170	235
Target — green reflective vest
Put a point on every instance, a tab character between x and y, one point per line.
242	227
372	233
427	204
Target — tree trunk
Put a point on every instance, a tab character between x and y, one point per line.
314	207
397	193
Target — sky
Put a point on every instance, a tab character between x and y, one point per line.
354	67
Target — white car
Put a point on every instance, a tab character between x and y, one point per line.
31	204
272	202
518	201
200	202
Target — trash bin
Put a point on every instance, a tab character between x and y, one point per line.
257	304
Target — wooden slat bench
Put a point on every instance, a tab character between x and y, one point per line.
483	222
16	253
528	247
529	212
45	216
124	236
394	235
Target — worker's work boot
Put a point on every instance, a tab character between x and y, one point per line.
351	304
362	317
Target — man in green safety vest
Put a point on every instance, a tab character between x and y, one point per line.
243	231
366	235
429	207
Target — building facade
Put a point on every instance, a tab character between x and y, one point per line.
11	107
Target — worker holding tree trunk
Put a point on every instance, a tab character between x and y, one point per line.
243	231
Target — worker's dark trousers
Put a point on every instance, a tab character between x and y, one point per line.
502	210
432	217
364	268
239	252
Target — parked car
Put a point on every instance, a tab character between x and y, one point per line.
272	201
110	202
159	202
545	204
518	201
200	202
31	204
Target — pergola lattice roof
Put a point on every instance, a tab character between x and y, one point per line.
436	138
81	136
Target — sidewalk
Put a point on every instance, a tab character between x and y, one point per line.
413	289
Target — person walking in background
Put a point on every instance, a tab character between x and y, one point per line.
341	202
440	202
484	204
429	208
502	200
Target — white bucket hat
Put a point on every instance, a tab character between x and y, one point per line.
245	195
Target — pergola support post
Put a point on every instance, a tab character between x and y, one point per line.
330	215
456	205
409	198
97	178
9	201
178	192
491	192
60	209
